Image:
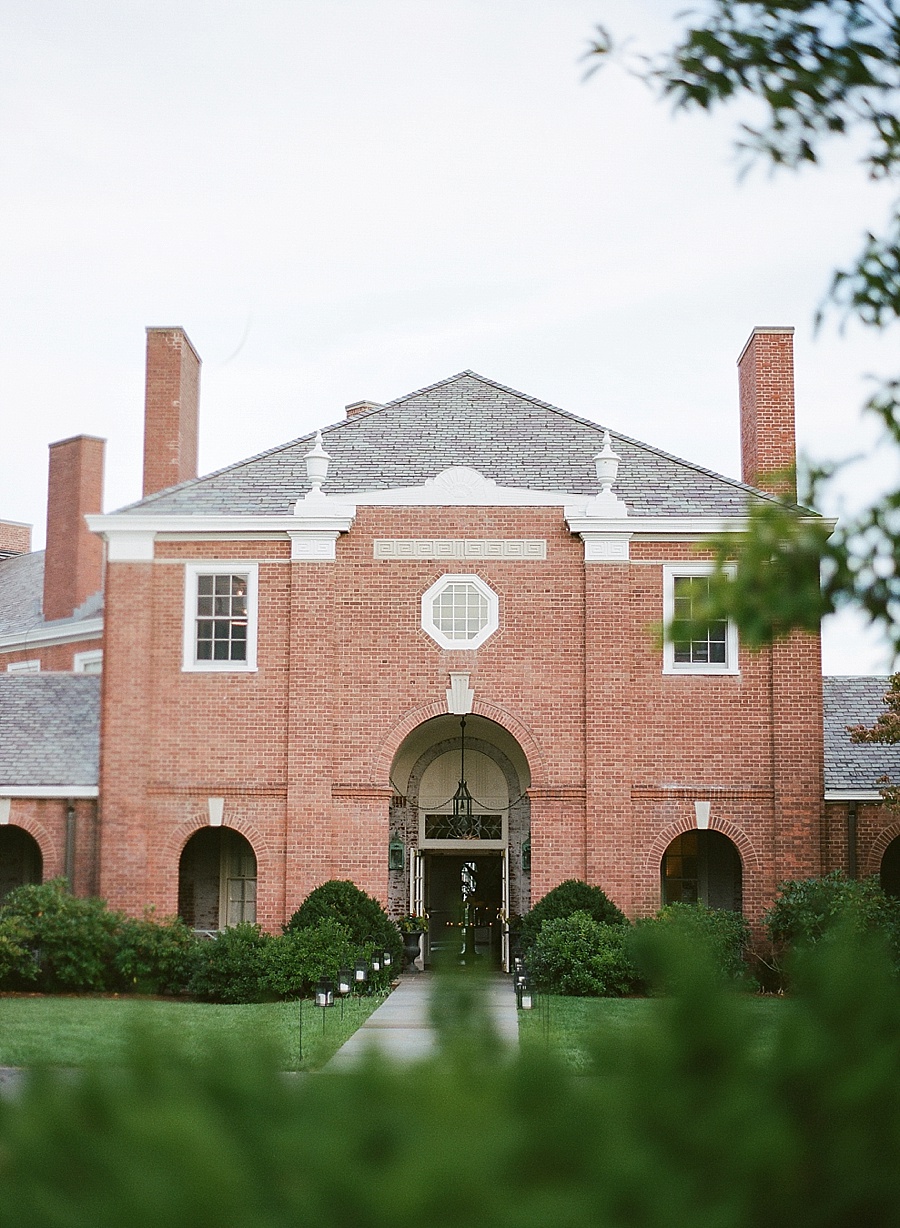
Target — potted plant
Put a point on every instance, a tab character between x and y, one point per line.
412	926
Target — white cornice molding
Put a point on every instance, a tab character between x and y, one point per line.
312	529
47	633
853	795
48	791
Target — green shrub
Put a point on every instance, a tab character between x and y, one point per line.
18	967
582	957
362	916
705	1114
73	939
154	956
808	910
295	961
231	967
720	937
570	896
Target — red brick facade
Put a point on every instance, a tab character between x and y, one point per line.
323	753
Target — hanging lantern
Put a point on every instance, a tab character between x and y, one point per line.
396	854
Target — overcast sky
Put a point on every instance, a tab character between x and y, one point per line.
349	199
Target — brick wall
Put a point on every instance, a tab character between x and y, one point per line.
301	750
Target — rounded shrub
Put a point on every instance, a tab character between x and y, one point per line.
295	961
231	967
579	956
362	916
569	897
810	909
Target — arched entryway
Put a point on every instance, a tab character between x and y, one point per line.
702	867
216	880
890	869
21	862
461	815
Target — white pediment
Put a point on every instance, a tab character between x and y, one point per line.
462	486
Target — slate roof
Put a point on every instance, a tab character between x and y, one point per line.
511	438
49	729
22	595
855	701
21	592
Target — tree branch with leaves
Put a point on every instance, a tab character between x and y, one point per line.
819	70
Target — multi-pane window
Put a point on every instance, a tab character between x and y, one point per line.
703	643
460	611
695	643
222	617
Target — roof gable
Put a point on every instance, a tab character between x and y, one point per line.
464	421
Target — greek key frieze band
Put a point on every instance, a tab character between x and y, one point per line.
460	548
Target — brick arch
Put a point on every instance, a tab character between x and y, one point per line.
173	846
45	842
879	846
738	837
401	729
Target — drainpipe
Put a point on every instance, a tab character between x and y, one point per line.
852	869
69	864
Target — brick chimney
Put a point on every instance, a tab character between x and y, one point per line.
360	407
171	408
766	377
15	538
73	563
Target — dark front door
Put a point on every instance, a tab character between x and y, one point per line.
463	899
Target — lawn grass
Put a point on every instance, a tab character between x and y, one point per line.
78	1031
566	1025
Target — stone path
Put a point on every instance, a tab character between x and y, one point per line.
400	1027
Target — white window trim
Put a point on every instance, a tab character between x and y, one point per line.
82	660
192	571
670	665
429	625
24	667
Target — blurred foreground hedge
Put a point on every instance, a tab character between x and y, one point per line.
695	1119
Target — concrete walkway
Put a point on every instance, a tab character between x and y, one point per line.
400	1028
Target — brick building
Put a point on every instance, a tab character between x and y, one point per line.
415	651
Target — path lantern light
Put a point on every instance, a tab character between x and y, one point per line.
360	973
376	961
387	959
325	993
344	985
527	997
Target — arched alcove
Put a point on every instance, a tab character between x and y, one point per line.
702	867
889	873
216	880
467	857
21	862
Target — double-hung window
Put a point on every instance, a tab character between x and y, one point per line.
695	644
220	616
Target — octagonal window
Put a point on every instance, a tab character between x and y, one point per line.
460	611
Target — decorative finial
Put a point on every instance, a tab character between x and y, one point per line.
607	463
605	503
317	467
